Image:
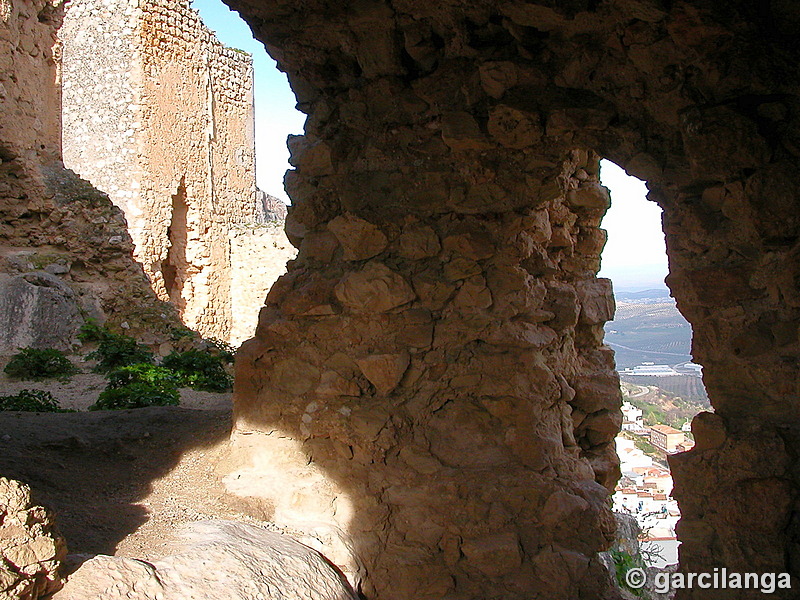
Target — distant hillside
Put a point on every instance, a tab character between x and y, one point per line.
624	296
648	328
688	387
662	407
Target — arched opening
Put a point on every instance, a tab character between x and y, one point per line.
436	351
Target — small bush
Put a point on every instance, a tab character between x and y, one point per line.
179	333
200	370
92	331
116	350
137	386
624	562
141	373
40	363
30	401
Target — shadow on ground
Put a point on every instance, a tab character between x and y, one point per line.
95	470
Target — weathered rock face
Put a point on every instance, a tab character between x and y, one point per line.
37	310
31	550
446	209
215	560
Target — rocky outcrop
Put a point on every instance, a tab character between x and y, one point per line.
269	209
31	550
218	560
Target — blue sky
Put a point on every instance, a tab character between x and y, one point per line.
634	257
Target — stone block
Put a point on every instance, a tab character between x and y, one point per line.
590	195
384	371
359	238
495	554
248	562
37	310
498	76
417	243
596	299
295	376
514	128
460	131
375	288
597	391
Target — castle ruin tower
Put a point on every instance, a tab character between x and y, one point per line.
159	114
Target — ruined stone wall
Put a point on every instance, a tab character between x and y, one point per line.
50	220
258	258
166	125
428	393
101	109
427	362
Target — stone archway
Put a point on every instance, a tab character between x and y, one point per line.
430	376
438	341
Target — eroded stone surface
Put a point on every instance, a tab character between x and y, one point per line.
215	560
51	220
164	124
31	550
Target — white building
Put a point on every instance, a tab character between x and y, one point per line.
650	371
631	418
630	456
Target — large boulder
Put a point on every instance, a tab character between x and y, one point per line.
215	560
37	310
31	550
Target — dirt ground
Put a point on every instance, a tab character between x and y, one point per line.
119	481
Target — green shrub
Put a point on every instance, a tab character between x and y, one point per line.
92	331
200	370
179	333
116	350
141	373
40	363
624	562
137	386
30	401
